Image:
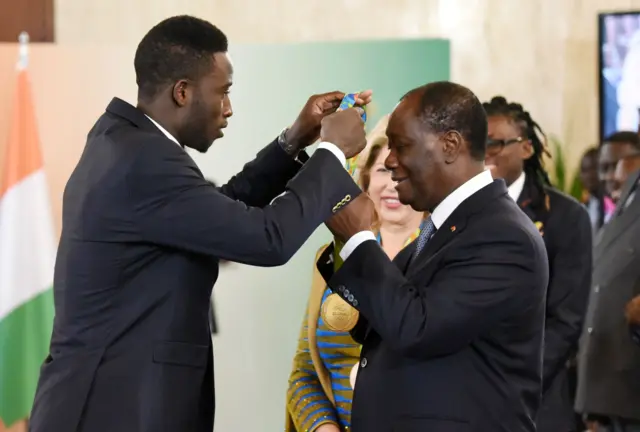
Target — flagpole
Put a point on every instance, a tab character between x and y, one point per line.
23	53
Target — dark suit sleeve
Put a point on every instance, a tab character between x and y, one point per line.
568	291
489	279
635	333
175	207
325	267
264	178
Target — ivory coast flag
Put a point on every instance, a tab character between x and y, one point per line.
27	255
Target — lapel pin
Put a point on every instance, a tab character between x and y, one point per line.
453	228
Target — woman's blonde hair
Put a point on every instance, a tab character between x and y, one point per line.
376	147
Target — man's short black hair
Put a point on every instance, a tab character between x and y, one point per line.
446	106
591	152
624	137
180	47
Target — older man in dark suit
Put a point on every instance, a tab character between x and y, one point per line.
453	328
143	232
609	360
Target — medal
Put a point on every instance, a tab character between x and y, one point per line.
337	314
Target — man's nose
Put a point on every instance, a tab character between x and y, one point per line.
227	110
391	162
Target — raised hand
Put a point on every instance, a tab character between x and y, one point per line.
345	129
306	129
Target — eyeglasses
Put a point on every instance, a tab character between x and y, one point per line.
494	146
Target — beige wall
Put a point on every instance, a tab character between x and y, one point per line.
541	53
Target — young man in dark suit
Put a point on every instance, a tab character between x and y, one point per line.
515	152
143	233
453	328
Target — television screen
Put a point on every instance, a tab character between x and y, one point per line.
619	66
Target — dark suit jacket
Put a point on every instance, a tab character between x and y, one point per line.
452	342
635	333
609	360
566	229
142	235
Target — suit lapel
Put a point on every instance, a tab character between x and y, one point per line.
403	258
620	219
456	223
444	235
617	226
525	201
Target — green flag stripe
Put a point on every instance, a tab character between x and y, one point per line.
24	343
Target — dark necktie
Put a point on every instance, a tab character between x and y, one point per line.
427	231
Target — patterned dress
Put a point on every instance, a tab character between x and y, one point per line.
339	352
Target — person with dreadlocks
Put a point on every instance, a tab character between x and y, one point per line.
515	150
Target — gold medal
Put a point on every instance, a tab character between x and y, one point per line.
337	314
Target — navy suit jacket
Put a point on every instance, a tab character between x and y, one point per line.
452	342
142	235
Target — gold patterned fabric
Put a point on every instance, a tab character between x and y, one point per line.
308	403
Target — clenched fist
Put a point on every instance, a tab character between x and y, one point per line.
358	215
345	129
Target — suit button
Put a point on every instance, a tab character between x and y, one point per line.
590	330
363	362
341	288
355	302
350	298
346	293
596	289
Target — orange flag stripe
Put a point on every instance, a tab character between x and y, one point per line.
23	156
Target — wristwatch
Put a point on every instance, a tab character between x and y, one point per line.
288	147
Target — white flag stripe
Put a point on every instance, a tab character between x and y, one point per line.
27	249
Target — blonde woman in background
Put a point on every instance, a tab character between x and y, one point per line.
320	393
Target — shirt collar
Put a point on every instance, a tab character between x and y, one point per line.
164	131
515	189
455	198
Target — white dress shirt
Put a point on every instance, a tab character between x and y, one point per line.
163	130
440	214
515	189
323	145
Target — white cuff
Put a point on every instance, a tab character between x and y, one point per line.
354	242
335	150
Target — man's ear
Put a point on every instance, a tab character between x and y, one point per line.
527	149
452	146
181	92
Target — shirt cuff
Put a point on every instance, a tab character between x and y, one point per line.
335	150
354	242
